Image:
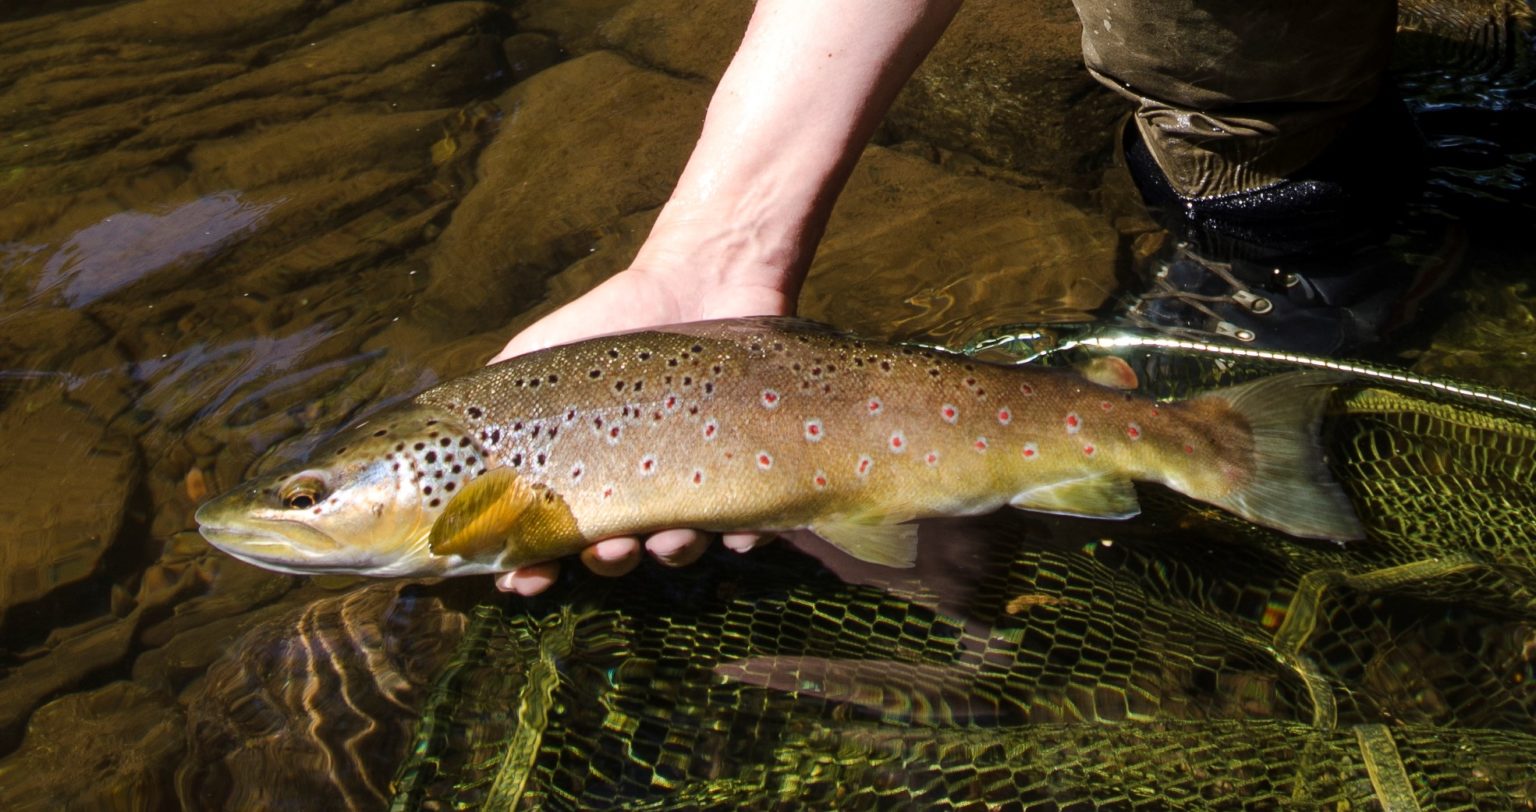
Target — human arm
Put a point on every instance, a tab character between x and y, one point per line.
805	91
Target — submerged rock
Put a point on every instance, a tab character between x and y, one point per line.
112	748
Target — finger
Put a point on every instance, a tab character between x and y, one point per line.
677	548
744	542
529	580
612	557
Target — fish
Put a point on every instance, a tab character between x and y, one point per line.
770	424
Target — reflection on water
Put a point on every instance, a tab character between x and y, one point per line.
226	231
124	248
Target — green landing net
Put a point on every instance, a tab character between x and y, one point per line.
1185	660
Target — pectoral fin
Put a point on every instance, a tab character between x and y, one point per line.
876	540
1096	497
499	512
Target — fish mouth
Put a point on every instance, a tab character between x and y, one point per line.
272	543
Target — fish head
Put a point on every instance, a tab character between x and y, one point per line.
358	505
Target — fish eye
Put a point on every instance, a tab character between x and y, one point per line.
303	492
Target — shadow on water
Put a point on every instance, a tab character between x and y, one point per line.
228	230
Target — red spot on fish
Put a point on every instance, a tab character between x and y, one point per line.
1031	451
949	413
711	428
865	463
1106	405
813	430
656	416
608	492
932	458
898	442
764	460
614	433
770	399
1004	416
1088	450
1026	389
980	444
1154	412
576	472
1133	431
874	406
819	479
1189	449
669	402
648	465
698	476
1074	423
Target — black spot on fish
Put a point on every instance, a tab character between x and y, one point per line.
687	380
427	490
645	355
618	386
518	426
447	458
518	382
709	387
613	353
540	459
381	432
933	373
474	411
638	385
438	474
597	422
449	487
399	446
533	384
496	437
435	502
419	446
341	451
445	442
885	366
431	456
553	430
698	348
458	469
517	459
433	435
717	369
536	429
671	362
432	422
463	442
553	379
595	374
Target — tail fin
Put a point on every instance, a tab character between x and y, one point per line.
1291	489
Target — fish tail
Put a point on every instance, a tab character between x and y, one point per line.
1287	484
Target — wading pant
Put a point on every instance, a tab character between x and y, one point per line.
1236	95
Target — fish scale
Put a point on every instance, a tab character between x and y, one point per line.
770	424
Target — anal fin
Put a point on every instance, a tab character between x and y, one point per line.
1096	497
879	542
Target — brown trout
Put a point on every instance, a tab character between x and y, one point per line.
763	424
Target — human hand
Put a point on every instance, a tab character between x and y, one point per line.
635	299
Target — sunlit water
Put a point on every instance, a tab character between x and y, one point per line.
226	232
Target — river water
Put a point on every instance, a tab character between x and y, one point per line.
227	229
